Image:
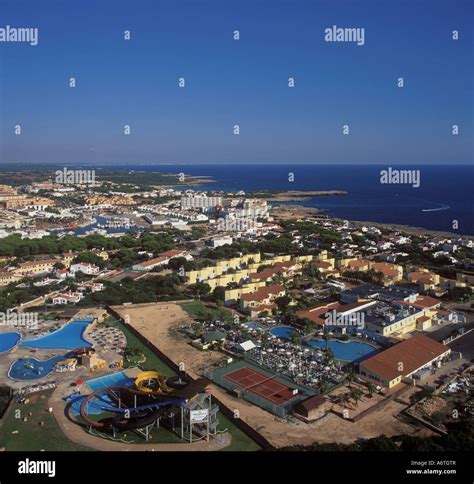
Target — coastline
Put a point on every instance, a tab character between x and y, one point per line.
293	212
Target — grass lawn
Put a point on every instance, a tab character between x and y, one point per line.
199	310
32	436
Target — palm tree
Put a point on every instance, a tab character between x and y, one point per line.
356	395
350	377
309	327
370	388
326	336
329	355
295	338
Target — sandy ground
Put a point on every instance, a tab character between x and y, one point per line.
157	321
330	428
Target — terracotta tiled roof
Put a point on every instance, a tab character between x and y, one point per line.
357	263
412	354
38	262
263	292
385	268
422	302
172	253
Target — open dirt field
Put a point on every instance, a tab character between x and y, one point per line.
330	428
158	323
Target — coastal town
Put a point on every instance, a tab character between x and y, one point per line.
240	320
236	238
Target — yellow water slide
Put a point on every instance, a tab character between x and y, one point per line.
151	382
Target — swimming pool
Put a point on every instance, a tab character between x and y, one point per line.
117	379
25	369
96	404
344	351
283	332
8	341
68	337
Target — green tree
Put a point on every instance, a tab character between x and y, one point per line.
199	289
370	387
218	294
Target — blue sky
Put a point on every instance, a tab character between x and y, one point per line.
237	82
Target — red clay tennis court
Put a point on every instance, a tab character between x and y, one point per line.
260	384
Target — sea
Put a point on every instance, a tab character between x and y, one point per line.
443	201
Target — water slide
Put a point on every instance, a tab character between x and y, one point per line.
151	382
152	397
143	407
137	422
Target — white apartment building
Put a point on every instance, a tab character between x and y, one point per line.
199	201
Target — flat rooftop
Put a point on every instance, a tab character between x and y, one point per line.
384	314
374	291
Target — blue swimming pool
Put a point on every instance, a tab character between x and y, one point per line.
117	379
95	406
68	337
345	351
283	332
26	369
8	341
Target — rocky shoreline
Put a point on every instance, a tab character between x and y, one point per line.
294	212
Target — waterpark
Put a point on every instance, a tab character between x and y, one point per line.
111	383
58	349
142	401
125	404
